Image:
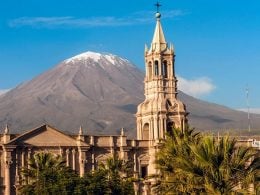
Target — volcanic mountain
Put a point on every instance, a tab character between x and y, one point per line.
99	92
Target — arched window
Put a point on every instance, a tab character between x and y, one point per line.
146	131
156	68
149	69
165	71
170	126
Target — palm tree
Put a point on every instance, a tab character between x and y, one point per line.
48	174
190	163
175	153
118	174
226	168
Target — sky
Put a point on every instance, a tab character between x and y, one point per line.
216	42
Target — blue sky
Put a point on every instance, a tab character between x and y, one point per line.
217	43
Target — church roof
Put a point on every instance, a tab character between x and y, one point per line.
45	135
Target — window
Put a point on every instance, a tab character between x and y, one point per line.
150	69
170	126
144	171
165	71
156	68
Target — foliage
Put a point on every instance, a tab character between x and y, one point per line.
118	176
190	163
48	174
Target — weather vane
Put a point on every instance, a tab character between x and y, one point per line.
158	5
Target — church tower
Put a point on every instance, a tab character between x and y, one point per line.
161	110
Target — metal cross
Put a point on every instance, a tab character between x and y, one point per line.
158	5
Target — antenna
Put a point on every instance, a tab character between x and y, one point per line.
248	109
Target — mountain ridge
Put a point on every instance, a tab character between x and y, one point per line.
99	92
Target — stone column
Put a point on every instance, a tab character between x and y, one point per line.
135	162
7	177
73	159
16	169
156	127
61	151
147	188
67	157
7	161
82	159
28	157
136	187
162	127
112	145
93	160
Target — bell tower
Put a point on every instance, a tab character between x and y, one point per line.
161	110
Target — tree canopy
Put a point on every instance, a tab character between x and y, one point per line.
191	163
48	174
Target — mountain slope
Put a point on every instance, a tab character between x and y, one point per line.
99	92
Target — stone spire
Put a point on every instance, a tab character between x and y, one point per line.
158	43
122	132
6	130
80	134
7	136
80	130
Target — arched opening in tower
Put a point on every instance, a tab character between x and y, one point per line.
150	70
165	69
156	68
170	126
146	131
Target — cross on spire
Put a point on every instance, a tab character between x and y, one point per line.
157	5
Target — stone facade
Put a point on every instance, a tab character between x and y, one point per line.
83	153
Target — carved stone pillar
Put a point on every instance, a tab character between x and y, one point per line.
17	178
67	157
7	161
112	145
7	177
29	157
73	159
136	187
147	187
93	160
82	159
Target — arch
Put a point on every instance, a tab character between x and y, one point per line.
165	69
143	165
149	69
156	68
146	131
170	126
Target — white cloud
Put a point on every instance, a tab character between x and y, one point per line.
2	91
251	110
196	87
69	21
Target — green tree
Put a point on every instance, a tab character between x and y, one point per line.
175	153
48	174
113	177
225	167
118	175
190	163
